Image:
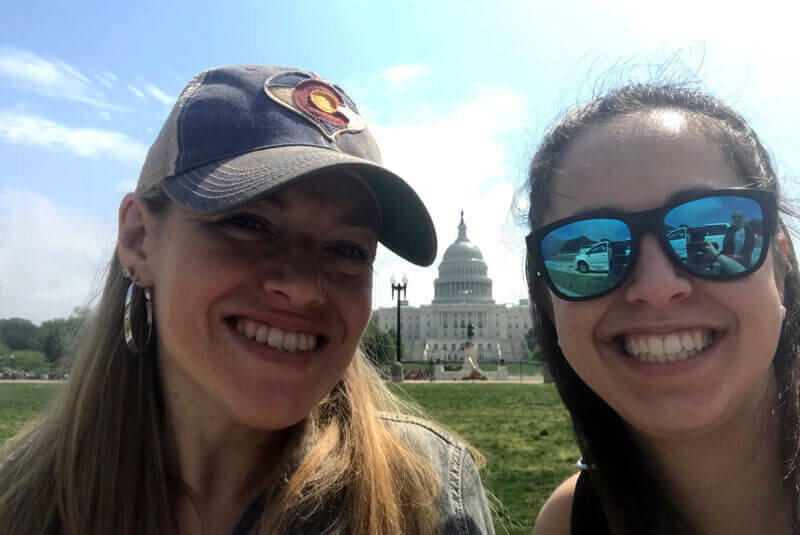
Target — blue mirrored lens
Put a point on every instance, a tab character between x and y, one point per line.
587	257
716	237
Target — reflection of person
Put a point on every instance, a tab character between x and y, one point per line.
714	262
239	401
739	241
681	389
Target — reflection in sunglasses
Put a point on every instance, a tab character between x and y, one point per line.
589	257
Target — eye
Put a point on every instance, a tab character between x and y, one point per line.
244	221
351	250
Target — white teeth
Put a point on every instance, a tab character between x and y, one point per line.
290	341
275	337
262	334
672	344
250	329
672	347
699	338
655	345
687	340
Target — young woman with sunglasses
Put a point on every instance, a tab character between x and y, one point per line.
675	350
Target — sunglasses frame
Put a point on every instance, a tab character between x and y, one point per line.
652	222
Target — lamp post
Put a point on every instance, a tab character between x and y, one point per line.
397	366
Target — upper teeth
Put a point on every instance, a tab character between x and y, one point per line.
275	337
670	347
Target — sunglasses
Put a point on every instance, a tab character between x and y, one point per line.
591	254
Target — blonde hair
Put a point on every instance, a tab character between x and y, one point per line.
97	461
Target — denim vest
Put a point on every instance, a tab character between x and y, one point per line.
464	509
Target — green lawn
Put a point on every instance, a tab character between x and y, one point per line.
20	402
521	429
528	368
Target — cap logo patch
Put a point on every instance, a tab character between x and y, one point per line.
316	100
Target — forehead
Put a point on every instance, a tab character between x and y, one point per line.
636	163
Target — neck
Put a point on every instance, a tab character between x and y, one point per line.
731	479
223	465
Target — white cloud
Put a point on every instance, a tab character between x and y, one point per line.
404	73
107	79
159	95
459	162
136	91
31	130
49	258
51	78
103	81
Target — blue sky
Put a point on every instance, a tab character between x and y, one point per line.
456	93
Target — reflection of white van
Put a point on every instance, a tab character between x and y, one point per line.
677	240
595	258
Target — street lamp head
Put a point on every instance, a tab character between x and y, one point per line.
393	280
405	280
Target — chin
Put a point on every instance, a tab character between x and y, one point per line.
684	416
272	412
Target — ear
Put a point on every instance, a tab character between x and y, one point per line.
135	239
782	265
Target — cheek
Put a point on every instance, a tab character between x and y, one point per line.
190	278
575	320
576	323
353	294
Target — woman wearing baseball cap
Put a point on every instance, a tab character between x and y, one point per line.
219	387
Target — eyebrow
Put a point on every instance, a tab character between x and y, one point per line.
672	198
351	218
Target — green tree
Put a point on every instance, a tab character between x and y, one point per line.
18	334
391	338
530	339
377	345
56	336
25	361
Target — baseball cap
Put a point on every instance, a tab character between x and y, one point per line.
237	133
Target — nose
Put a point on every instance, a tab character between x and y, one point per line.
655	280
296	278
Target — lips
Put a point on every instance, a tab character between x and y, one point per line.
272	336
671	347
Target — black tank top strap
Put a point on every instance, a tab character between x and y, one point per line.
588	517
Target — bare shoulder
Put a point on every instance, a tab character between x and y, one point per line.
554	518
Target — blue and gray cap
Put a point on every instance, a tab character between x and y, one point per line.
239	132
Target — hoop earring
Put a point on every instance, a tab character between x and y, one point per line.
127	322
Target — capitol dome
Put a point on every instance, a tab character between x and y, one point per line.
462	273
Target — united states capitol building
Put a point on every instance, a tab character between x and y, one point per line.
462	295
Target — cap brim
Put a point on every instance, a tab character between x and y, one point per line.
406	226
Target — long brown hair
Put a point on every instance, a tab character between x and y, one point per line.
633	493
97	461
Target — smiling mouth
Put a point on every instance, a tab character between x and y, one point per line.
663	348
278	338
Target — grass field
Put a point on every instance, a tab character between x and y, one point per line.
528	368
521	429
20	402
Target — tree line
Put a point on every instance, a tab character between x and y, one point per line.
26	347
